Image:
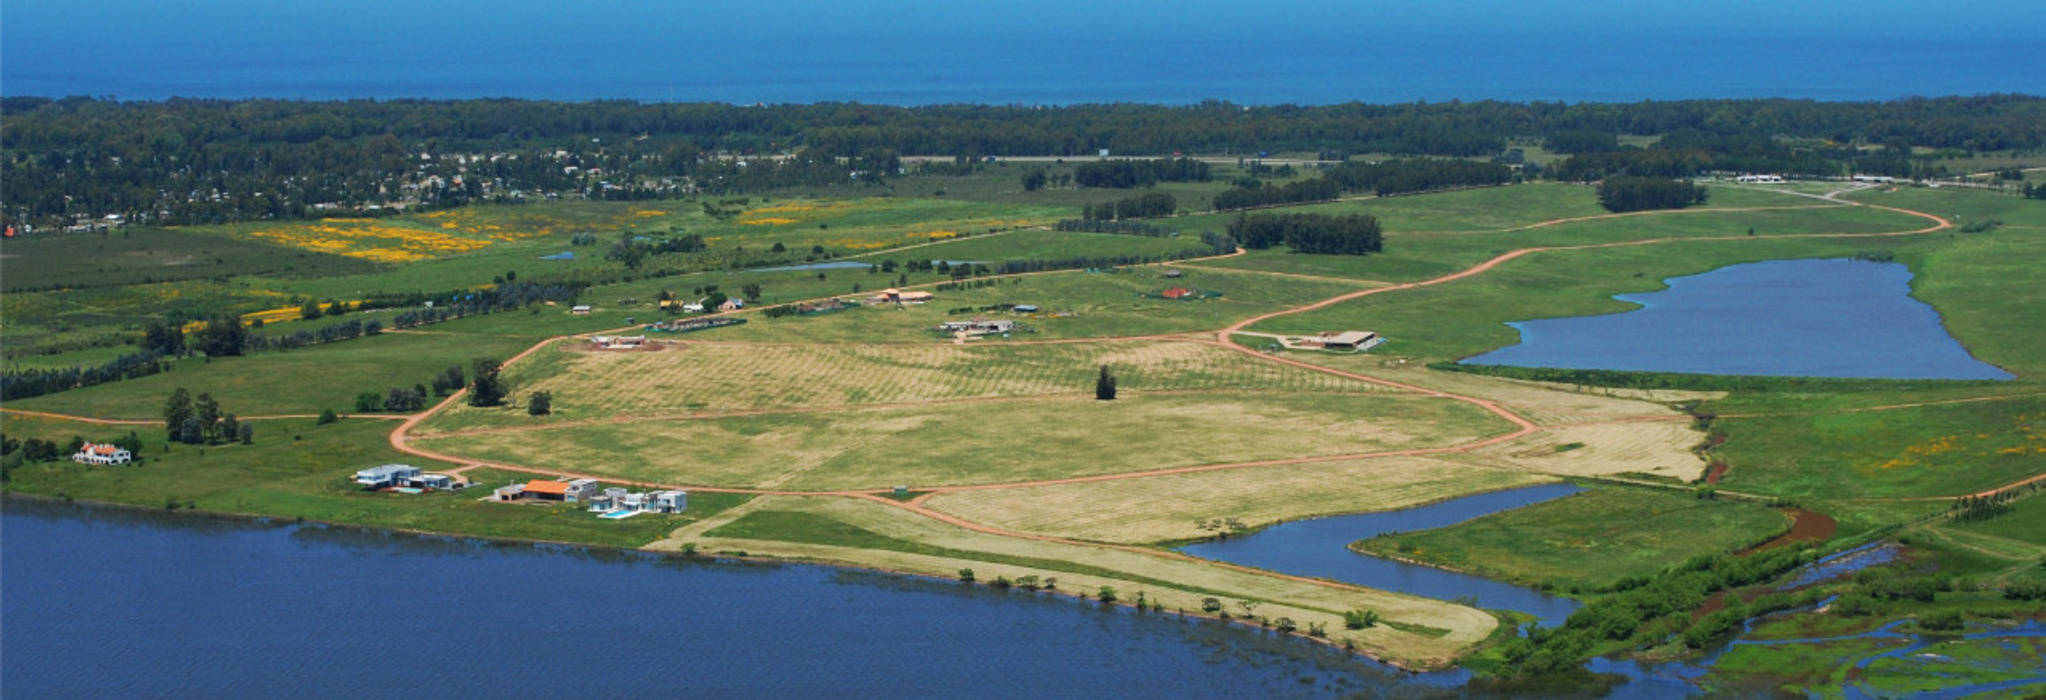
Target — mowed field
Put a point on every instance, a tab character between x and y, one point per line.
1167	507
1589	539
984	442
1071	304
713	377
1935	450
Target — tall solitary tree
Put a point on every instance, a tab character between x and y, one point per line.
176	410
488	389
541	403
1104	385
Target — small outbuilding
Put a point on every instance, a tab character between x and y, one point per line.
509	492
1349	340
580	309
978	326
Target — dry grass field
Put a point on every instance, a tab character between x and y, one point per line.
1661	448
984	442
694	378
1166	507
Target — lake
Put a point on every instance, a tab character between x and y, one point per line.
103	602
1803	318
1319	547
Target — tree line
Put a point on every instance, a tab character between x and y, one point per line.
212	160
1127	228
1349	234
1629	193
1418	175
1126	174
1142	206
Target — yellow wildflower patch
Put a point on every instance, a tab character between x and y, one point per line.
766	221
370	239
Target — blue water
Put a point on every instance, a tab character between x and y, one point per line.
1807	318
1320	548
116	603
1022	51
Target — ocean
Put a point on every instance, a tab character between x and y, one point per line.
1023	52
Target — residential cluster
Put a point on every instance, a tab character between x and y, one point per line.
612	502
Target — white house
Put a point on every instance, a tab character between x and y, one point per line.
580	309
671	501
386	475
579	490
100	453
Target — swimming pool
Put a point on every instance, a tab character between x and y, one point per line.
619	514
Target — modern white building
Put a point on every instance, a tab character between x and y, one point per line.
386	475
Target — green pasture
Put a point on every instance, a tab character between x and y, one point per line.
297	381
1936	450
1588	540
298	469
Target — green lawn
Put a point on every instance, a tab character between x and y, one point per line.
297	381
1590	539
298	469
1939	450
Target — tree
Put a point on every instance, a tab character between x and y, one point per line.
230	428
1622	193
207	411
326	416
222	335
750	292
1034	179
778	248
176	410
309	310
163	339
540	403
488	389
1104	385
369	402
247	434
1360	618
191	432
1106	594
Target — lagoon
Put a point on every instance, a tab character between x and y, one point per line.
1319	547
1801	318
107	602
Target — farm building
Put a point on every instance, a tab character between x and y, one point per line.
978	326
101	453
1349	340
1174	274
917	297
386	476
580	309
897	296
733	304
619	342
1883	179
1764	179
1177	293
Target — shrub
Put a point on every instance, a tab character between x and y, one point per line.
1360	618
966	575
1107	594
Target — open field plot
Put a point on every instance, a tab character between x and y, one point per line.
298	469
1660	448
147	255
1478	209
1166	507
302	381
984	442
1936	450
866	224
1071	304
52	318
2026	522
1043	244
1982	285
865	533
1547	403
1589	539
1469	316
715	377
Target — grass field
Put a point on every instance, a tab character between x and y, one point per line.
1939	450
987	442
145	255
1072	304
298	469
298	381
1590	539
864	533
2026	522
717	377
1165	508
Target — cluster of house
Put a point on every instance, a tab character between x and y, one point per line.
618	342
1763	179
102	453
586	491
697	307
406	476
897	296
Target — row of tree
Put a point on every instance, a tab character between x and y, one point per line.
22	383
1349	234
1211	244
1127	228
1142	206
1317	189
1417	175
1125	174
1628	193
200	421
